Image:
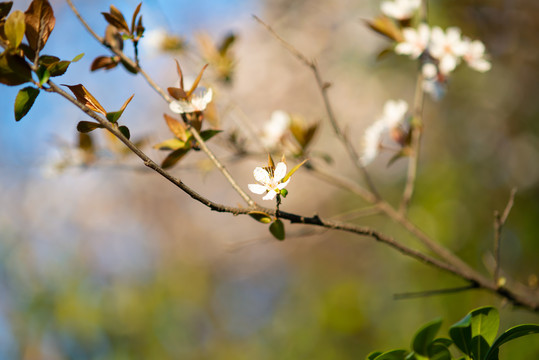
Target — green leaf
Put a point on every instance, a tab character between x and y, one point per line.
170	144
58	68
43	75
438	350
260	216
399	354
208	134
125	131
47	60
485	322
78	57
461	334
24	101
115	115
373	355
425	336
87	126
277	229
510	334
14	70
174	157
14	28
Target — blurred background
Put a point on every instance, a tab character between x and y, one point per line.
103	259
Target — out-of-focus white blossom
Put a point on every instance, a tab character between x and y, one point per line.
393	121
474	55
447	47
400	9
197	101
158	40
275	129
270	180
415	41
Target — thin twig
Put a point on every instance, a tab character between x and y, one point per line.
416	129
499	222
323	86
419	294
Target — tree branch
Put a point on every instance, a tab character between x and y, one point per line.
499	222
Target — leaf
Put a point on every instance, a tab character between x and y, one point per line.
129	67
39	20
439	349
260	216
104	62
461	334
277	229
14	70
125	131
399	354
197	80
58	68
14	28
425	336
174	157
208	134
134	18
86	98
24	101
485	322
170	144
373	355
43	75
113	37
226	43
177	93
177	128
47	60
386	27
78	57
294	169
87	126
508	335
5	8
116	19
115	115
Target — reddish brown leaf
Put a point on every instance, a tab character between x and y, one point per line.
134	18
180	74
113	37
39	23
104	62
197	80
86	98
177	93
116	18
176	127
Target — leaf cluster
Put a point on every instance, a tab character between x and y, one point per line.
474	336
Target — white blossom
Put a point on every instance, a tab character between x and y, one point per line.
372	139
270	180
275	129
415	41
394	113
447	47
197	101
475	55
400	9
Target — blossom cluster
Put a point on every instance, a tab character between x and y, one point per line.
393	126
440	51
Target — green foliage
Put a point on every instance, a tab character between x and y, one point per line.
24	101
474	335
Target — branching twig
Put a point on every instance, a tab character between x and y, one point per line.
168	99
411	295
323	87
499	222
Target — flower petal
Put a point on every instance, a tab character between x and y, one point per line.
261	175
257	189
270	195
283	185
280	172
